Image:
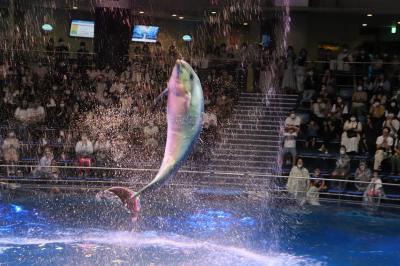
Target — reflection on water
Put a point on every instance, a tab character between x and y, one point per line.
48	231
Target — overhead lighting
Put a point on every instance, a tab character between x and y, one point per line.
174	15
398	22
369	15
213	12
245	24
75	7
394	30
141	12
181	17
365	25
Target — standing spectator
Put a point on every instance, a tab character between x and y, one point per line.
298	181
384	145
351	135
342	168
300	69
10	149
362	174
289	78
84	151
293	121
289	144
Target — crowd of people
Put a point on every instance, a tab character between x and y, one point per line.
352	100
59	111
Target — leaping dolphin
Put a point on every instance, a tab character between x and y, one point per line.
185	107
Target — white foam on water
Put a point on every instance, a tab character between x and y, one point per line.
166	241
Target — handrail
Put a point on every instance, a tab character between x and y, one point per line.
209	172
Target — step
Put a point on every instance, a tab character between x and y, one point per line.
251	132
242	163
234	156
250	126
247	152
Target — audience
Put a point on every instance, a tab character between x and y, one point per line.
384	145
298	182
363	175
342	169
84	152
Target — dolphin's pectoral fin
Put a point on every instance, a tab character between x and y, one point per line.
159	97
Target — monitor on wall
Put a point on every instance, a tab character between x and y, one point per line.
82	28
141	33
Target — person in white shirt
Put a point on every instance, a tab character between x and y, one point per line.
84	151
384	146
298	182
289	144
293	121
393	123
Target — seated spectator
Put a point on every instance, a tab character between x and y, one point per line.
342	169
396	158
362	174
21	113
351	135
10	150
339	109
289	144
298	181
151	132
377	112
84	151
293	121
393	108
328	133
102	148
35	113
393	124
316	186
319	110
359	102
374	191
210	119
312	134
44	168
384	145
119	148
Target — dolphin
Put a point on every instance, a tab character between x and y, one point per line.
185	107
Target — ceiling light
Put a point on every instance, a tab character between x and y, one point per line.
213	12
141	12
174	15
365	25
74	7
245	23
369	15
181	17
398	22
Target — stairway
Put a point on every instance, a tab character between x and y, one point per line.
251	142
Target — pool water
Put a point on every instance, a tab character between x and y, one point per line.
80	230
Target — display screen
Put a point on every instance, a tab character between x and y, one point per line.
82	28
142	33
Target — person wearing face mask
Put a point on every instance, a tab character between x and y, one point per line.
351	135
393	123
359	101
343	59
293	121
298	182
362	174
392	108
384	144
342	169
339	109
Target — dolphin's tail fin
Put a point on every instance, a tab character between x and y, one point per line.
128	197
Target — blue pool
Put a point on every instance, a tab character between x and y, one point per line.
79	230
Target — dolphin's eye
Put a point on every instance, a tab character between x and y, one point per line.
191	77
